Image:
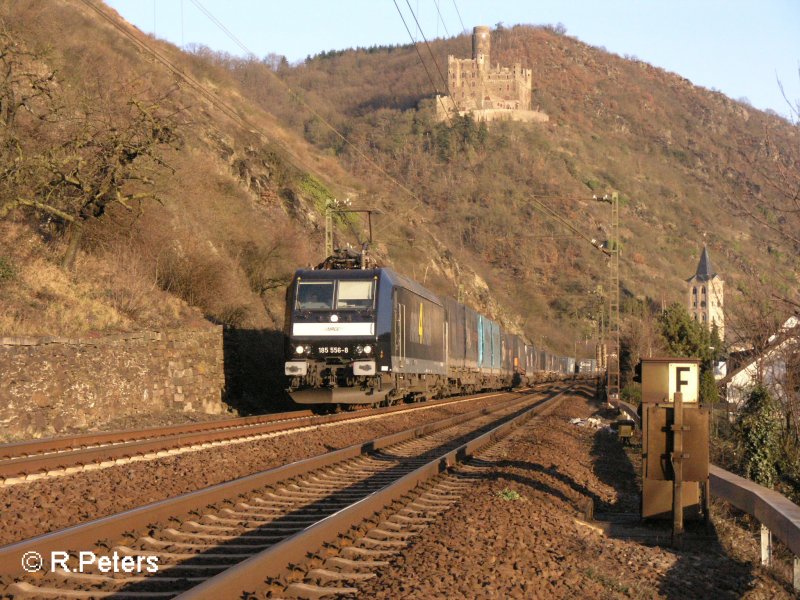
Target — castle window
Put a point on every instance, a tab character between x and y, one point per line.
704	318
703	290
703	304
694	291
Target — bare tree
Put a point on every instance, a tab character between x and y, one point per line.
771	197
69	160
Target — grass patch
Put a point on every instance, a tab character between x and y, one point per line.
606	581
509	495
7	270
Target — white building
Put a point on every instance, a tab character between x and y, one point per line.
777	368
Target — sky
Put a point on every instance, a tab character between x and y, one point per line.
739	47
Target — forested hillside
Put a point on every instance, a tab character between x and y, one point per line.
133	198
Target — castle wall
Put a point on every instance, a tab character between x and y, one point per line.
488	93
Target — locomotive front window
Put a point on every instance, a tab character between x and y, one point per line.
355	294
315	295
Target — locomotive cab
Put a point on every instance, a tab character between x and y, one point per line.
333	352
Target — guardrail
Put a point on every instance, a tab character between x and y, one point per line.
777	515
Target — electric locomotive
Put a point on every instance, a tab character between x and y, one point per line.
362	336
358	335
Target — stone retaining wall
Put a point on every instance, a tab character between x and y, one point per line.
51	385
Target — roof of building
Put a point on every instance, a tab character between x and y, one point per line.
788	332
705	270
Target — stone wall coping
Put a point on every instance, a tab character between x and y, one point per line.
103	339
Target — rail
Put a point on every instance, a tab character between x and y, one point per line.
24	461
777	515
288	509
279	560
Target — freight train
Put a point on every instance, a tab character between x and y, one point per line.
372	336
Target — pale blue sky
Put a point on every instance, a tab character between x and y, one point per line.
740	47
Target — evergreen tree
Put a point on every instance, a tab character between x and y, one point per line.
708	387
689	338
759	428
685	336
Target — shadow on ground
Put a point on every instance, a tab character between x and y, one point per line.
254	379
703	567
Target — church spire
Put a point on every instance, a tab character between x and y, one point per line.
705	269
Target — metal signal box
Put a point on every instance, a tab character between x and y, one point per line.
675	441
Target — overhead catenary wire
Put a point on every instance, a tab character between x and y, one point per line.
460	20
231	113
441	18
428	46
419	54
340	135
313	111
225	30
209	96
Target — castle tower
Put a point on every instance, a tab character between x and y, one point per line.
705	291
481	45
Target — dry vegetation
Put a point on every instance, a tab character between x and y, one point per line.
238	211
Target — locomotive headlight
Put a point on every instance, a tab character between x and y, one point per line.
300	349
367	349
359	349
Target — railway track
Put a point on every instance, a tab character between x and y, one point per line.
28	461
242	535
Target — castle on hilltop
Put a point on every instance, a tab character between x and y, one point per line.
487	93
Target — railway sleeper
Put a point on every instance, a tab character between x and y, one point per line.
127	550
385	534
345	493
398	518
338	562
276	533
273	524
26	590
313	592
119	581
305	511
203	547
294	518
401	527
327	576
382	540
223	538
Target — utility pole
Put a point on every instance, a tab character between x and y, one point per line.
612	372
330	205
613	369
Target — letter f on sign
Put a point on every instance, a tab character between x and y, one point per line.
679	381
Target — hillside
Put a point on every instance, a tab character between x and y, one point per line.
229	197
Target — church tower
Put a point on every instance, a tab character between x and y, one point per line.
706	295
